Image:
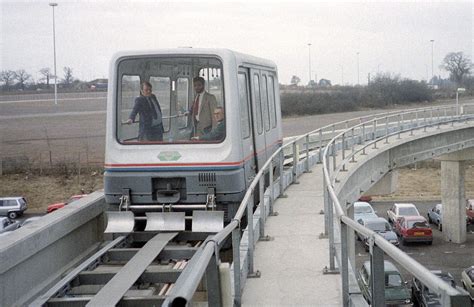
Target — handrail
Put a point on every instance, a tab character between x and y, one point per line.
423	274
182	295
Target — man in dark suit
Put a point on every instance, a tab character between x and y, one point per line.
149	110
202	108
217	133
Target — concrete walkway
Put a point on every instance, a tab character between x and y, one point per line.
292	264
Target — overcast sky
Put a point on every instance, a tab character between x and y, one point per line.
389	36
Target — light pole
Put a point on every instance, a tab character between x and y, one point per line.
459	90
432	66
309	62
358	76
52	4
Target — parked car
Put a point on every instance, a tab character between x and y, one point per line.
399	210
363	210
380	226
470	211
424	297
57	206
396	291
12	206
30	220
8	225
413	229
467	280
435	216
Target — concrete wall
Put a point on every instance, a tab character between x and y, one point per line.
34	257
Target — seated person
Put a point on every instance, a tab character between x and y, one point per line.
218	132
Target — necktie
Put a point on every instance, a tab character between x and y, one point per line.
196	106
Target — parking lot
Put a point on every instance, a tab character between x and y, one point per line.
441	255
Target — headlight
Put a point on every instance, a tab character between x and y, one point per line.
407	301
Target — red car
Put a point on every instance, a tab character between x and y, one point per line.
57	206
413	229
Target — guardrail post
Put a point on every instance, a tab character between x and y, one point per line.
343	148
377	274
307	154
452	118
375	129
270	203
236	260
251	246
353	145
281	167
344	266
295	163
424	120
263	210
333	156
326	209
213	283
363	134
332	251
386	129
411	125
320	153
399	126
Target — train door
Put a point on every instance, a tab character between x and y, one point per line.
257	118
248	144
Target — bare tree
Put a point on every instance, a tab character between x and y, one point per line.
458	65
7	77
22	77
47	75
68	78
295	80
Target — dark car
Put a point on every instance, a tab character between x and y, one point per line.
467	280
396	292
380	226
424	297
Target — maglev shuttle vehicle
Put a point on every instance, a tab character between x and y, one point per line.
180	171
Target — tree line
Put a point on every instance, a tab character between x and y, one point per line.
457	64
21	79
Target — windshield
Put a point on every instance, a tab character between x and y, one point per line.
362	209
381	226
406	211
417	224
393	280
166	100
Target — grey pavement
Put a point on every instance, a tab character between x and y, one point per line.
291	265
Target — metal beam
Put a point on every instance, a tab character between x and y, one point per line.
113	291
154	300
169	252
153	274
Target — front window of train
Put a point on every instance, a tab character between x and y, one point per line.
185	118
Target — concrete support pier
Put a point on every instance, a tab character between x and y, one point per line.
453	195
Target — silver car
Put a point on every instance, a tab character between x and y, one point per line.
8	225
12	206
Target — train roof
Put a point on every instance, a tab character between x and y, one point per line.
225	54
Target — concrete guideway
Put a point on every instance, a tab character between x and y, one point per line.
291	265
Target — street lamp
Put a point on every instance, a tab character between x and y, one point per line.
52	4
432	66
459	90
309	62
358	76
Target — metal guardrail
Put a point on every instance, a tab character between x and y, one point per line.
378	245
313	144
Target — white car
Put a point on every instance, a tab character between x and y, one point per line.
399	210
363	210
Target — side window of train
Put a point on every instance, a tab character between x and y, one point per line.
266	115
182	91
244	106
162	90
214	86
130	89
258	102
271	101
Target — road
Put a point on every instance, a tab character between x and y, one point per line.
440	255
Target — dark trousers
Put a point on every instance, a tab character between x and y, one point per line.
154	133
